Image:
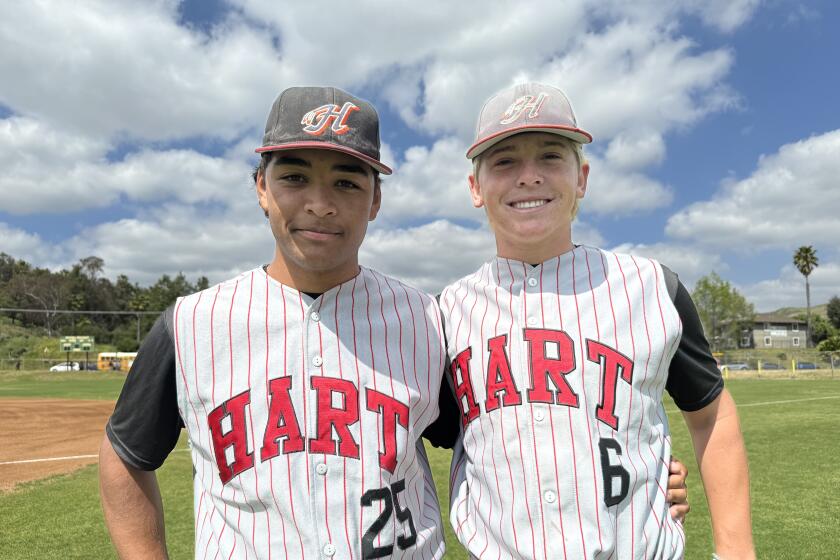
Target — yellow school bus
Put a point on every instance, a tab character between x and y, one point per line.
117	361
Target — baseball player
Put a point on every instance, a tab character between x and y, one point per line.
560	354
304	386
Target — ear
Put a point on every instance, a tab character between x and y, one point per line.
262	190
377	201
583	178
475	192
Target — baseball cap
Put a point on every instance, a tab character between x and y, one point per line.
530	107
324	118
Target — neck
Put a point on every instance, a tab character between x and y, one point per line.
309	281
533	254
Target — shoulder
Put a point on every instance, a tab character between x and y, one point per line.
401	289
225	289
483	274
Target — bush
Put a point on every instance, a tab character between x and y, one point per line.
831	344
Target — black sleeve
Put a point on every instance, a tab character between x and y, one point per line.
146	424
694	379
444	431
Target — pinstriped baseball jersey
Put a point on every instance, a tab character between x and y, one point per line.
307	443
559	370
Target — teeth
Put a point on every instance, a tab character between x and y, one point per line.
529	204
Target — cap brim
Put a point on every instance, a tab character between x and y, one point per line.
575	134
379	166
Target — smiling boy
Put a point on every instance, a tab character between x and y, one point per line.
304	386
560	355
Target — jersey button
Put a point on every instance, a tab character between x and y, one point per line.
315	316
329	549
317	361
550	497
539	415
532	321
532	282
321	469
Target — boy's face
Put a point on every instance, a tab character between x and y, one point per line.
528	184
319	203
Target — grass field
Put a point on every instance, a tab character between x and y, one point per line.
790	426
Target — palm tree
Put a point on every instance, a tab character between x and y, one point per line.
805	259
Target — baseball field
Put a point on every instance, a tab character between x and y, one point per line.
52	425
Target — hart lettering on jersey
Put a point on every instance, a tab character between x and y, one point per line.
283	435
548	371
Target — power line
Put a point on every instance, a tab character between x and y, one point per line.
76	312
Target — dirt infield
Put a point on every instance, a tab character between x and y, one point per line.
37	429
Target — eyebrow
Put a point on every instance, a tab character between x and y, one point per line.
342	167
286	160
510	148
350	168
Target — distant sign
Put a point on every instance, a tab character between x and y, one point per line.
77	343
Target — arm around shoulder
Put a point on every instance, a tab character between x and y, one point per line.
132	507
722	460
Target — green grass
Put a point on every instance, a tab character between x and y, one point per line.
97	385
792	448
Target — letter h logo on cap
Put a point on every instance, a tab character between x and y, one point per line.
525	102
318	120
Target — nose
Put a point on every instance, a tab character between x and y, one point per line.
321	204
529	175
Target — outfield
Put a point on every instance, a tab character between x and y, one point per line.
791	429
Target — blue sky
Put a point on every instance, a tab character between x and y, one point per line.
127	130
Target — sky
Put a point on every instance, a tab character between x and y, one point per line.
127	129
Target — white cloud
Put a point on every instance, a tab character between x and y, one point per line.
690	263
788	289
429	256
725	15
618	192
120	67
584	233
635	78
28	246
622	66
176	237
635	150
430	183
791	199
49	171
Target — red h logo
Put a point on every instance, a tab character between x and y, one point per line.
525	102
318	120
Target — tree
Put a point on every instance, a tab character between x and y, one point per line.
833	311
829	344
821	329
805	259
723	311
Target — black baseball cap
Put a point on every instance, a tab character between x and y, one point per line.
324	118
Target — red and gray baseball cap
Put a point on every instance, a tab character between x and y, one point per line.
530	107
324	118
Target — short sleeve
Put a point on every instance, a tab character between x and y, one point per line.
146	423
694	380
444	431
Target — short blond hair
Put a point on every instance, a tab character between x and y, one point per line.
576	147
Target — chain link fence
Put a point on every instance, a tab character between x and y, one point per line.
781	363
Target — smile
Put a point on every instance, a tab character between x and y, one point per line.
317	234
526	204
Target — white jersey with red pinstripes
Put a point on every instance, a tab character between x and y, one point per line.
559	370
304	418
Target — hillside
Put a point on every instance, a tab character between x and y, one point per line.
32	344
794	311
